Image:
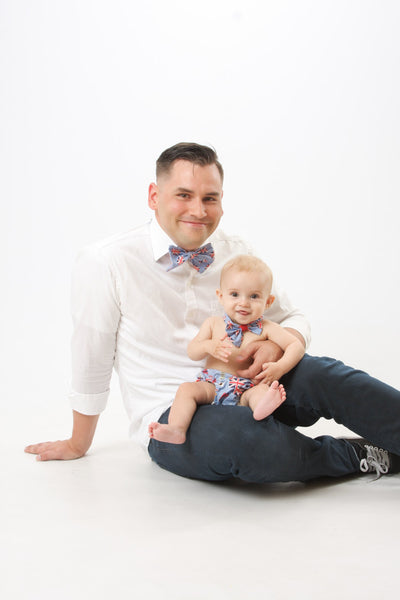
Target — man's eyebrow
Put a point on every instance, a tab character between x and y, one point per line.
184	190
187	191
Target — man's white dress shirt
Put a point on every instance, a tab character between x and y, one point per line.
130	313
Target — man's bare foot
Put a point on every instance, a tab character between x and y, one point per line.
272	398
166	433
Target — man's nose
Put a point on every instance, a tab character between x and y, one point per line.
197	208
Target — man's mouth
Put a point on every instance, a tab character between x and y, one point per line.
198	224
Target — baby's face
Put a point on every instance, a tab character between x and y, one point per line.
244	296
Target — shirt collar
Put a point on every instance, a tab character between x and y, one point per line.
161	242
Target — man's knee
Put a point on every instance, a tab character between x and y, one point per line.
232	430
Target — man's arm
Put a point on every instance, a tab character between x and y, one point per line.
293	352
84	427
296	334
283	312
262	353
96	315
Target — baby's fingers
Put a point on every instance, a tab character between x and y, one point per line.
226	341
224	356
261	375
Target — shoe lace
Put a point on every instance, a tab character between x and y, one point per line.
376	460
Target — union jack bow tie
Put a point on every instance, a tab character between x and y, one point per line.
235	331
200	259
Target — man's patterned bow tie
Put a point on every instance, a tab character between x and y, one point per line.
235	331
200	259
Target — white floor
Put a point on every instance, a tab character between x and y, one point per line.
114	525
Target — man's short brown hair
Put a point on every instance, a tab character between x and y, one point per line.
194	153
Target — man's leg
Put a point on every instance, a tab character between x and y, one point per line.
189	396
225	441
324	387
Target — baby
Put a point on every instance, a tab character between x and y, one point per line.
245	293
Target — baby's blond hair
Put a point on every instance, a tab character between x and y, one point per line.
251	264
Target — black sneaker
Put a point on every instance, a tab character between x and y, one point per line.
373	458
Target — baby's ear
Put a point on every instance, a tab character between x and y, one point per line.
219	295
269	301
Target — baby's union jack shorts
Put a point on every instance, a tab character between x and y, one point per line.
228	387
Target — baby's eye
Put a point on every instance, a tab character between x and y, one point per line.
234	294
254	296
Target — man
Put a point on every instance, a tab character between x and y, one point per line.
137	300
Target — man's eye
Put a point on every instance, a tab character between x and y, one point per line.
210	199
183	196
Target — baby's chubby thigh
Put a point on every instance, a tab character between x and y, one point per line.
202	392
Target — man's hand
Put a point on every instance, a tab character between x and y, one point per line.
61	450
76	446
261	352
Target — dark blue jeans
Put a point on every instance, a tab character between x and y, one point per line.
225	441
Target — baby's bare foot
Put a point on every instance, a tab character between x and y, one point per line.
273	398
166	433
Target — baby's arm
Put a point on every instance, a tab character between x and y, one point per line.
293	352
206	344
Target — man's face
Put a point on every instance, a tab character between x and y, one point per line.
187	203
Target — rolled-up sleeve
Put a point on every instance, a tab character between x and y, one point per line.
286	314
96	314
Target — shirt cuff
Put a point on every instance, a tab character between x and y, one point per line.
88	404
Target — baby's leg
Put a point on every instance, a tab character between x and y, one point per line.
263	399
188	397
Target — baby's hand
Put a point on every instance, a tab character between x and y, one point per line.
222	348
271	371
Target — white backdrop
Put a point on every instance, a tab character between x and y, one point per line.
300	99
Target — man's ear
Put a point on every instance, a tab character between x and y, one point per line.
269	301
153	196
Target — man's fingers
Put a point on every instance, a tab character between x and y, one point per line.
251	372
43	451
36	448
47	455
244	355
60	450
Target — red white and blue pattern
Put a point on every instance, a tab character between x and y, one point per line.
235	331
200	259
228	387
